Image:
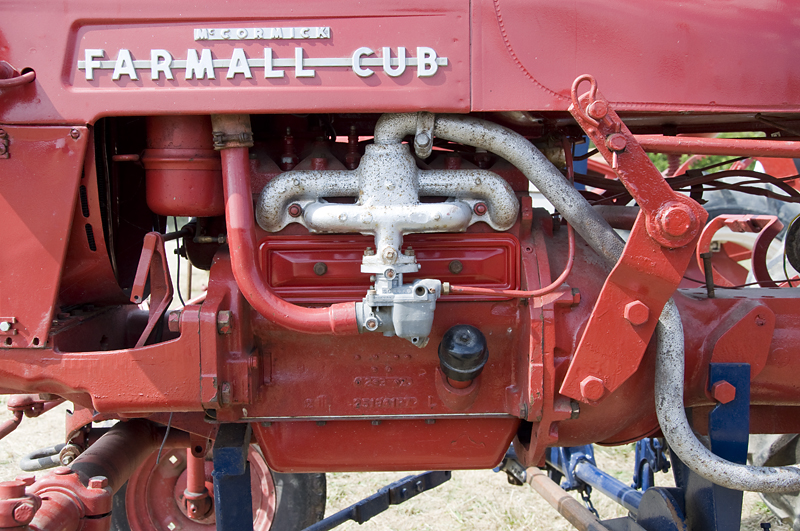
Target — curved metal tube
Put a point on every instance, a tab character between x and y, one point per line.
679	435
517	150
495	191
271	211
335	319
22	79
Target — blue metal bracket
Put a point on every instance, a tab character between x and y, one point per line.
710	507
649	458
233	499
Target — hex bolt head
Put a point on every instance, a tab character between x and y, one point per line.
723	392
592	388
597	109
423	140
675	220
98	482
295	210
616	142
174	321
75	134
24	513
224	322
636	313
480	209
389	254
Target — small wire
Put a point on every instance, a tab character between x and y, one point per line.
578	158
785	272
178	269
723	287
166	434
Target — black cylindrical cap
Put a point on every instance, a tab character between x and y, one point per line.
463	353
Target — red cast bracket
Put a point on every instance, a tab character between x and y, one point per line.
651	267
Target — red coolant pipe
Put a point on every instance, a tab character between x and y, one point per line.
337	319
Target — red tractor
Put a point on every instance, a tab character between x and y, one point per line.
384	292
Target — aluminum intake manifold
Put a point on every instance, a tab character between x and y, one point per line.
388	186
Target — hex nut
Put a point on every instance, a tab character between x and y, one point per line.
24	512
723	392
592	388
636	313
98	482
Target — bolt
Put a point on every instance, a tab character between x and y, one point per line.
389	273
366	218
409	251
636	313
75	134
24	512
597	109
423	140
675	219
480	209
616	142
390	254
437	216
62	471
592	388
174	321
320	268
371	324
723	392
224	322
295	210
342	217
5	326
456	267
760	320
98	482
369	252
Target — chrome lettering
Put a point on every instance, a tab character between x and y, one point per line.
357	68
124	66
160	61
90	54
199	68
239	65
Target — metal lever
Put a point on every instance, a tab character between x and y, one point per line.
394	494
